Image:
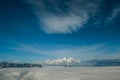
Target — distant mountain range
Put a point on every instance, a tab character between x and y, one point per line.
66	62
101	62
70	62
18	65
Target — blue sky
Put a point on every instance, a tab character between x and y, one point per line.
32	30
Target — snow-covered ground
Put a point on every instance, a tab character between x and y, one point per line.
61	73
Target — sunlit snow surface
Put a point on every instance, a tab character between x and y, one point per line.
61	73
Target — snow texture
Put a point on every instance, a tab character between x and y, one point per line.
61	73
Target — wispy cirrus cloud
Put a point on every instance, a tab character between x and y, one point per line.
79	52
57	16
68	16
114	14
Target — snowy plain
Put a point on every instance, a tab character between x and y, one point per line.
61	73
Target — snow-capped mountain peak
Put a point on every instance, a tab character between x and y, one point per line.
63	61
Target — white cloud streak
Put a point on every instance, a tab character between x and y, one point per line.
68	16
67	24
55	19
78	52
114	13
